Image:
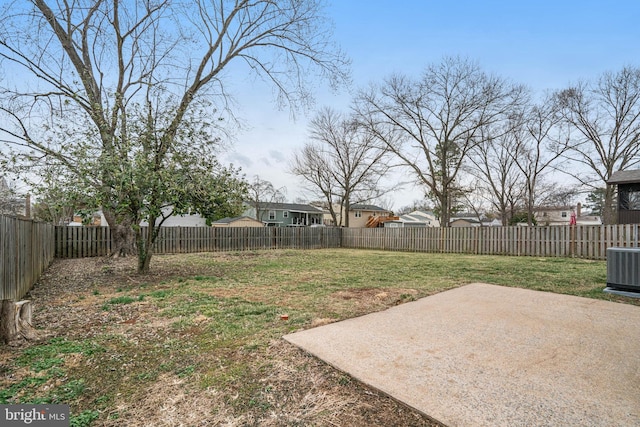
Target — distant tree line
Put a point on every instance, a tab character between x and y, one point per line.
477	142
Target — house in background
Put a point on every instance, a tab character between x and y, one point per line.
469	219
561	215
239	221
464	222
361	215
327	219
284	214
628	183
186	220
414	219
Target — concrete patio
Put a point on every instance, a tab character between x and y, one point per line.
485	355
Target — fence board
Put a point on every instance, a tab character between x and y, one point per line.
26	250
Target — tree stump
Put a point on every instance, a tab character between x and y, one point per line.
15	322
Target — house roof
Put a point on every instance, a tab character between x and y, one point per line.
292	207
228	220
465	219
363	207
553	208
422	214
625	177
468	216
415	217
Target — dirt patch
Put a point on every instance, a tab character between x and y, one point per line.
367	300
367	295
153	371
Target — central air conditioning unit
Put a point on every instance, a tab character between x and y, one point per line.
623	269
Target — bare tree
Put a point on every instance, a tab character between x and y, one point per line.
540	143
342	162
498	175
262	193
605	117
132	94
432	123
474	200
313	165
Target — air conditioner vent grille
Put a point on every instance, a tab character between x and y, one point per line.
623	268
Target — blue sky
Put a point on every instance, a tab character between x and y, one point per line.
542	44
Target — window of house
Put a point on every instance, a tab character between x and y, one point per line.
285	214
272	214
564	214
358	214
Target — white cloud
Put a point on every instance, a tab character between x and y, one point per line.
277	156
239	160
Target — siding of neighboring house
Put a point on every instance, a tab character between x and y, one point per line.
285	214
327	219
359	214
194	220
188	220
553	215
464	222
561	215
185	221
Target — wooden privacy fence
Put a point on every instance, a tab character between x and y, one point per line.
27	247
553	241
78	242
26	250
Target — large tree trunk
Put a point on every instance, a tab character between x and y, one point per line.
347	208
445	209
332	211
123	241
15	322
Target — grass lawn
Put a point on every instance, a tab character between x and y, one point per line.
198	342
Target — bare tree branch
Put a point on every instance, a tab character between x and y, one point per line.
342	161
605	115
